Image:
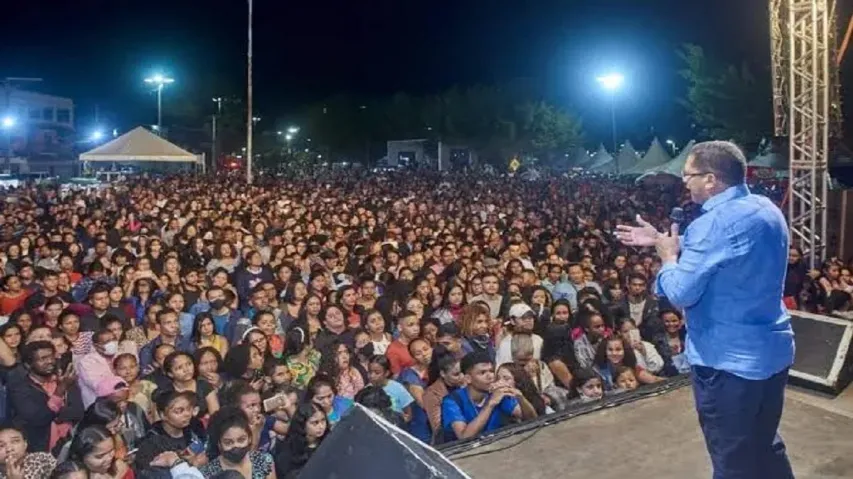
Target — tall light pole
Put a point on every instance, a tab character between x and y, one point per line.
159	81
249	117
214	145
7	123
611	83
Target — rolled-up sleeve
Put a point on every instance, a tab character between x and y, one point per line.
703	249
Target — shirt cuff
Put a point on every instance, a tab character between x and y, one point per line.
666	267
55	403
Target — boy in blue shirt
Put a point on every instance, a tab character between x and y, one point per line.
483	405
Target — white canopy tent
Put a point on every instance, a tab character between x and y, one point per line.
602	161
140	144
673	167
656	155
627	157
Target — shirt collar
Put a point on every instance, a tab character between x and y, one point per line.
730	193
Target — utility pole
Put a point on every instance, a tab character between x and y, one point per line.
215	147
249	117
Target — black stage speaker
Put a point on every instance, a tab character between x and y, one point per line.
824	359
366	446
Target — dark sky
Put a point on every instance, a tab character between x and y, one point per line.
98	51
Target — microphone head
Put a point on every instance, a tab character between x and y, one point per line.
677	215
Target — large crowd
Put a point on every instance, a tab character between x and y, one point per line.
188	327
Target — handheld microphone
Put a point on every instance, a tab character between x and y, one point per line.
676	216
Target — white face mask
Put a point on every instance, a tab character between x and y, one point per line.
111	348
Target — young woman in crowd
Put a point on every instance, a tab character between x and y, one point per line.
379	374
338	363
94	448
614	352
209	365
265	322
230	447
374	323
445	375
81	341
300	355
148	329
204	334
16	462
265	428
308	427
12	336
648	357
180	368
515	376
451	305
321	391
176	431
474	324
309	316
415	380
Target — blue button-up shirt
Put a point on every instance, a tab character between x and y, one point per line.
729	279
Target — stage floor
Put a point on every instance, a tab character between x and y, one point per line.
659	438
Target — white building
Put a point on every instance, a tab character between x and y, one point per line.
42	136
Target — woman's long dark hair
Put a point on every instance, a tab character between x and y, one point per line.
221	421
86	440
629	360
297	434
100	413
199	318
329	359
526	385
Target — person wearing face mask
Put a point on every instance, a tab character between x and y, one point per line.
229	447
96	365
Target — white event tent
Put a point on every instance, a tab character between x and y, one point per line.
655	156
602	161
141	145
673	167
627	157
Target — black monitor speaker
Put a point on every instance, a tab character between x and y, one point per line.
824	358
363	445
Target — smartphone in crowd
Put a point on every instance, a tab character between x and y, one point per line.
275	403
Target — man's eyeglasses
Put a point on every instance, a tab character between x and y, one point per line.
688	176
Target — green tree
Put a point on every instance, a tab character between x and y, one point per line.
725	102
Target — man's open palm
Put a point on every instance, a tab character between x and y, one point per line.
643	235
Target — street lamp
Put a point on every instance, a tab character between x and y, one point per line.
7	124
159	81
97	135
672	145
293	130
612	82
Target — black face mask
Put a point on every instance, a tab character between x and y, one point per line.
217	303
236	455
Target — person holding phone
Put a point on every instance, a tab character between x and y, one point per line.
176	431
646	352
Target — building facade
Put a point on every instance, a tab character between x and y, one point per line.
41	137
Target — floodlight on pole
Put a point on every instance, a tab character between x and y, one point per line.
8	122
672	144
159	81
97	135
293	130
612	82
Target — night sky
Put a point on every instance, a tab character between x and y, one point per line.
98	52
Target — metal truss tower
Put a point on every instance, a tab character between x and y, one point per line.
804	85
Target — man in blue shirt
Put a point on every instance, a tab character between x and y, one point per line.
483	405
728	273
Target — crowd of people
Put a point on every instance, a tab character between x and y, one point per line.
201	327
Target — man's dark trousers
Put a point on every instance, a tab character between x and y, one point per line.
740	419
